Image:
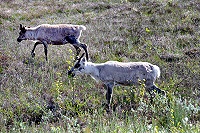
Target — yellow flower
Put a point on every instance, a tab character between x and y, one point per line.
70	51
147	30
156	129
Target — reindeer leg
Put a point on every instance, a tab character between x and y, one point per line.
84	46
78	50
152	93
33	51
72	40
76	43
45	50
159	91
109	94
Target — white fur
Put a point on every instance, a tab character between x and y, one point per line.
121	73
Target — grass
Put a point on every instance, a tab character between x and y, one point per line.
38	96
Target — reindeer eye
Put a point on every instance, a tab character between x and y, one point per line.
21	33
77	66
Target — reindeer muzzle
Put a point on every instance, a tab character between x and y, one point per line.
19	40
70	73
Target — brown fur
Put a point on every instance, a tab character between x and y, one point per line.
59	34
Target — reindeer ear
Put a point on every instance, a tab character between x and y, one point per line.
20	26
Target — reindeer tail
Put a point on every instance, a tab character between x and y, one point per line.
82	27
156	69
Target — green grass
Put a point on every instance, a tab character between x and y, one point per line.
38	96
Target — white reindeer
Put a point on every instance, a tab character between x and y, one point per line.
119	73
59	34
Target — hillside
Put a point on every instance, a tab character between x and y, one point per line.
38	96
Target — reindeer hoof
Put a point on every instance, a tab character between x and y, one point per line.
33	55
163	93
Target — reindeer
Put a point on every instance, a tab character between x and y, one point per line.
59	34
119	73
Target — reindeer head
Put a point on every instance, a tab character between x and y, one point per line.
21	33
78	67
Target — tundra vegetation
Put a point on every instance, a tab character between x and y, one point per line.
38	96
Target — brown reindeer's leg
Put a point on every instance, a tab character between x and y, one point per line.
78	50
45	50
75	42
33	51
84	46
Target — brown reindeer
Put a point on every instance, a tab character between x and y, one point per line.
59	34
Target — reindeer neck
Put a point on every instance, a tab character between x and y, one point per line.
90	68
30	34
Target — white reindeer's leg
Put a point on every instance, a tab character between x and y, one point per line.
152	91
159	91
109	93
151	87
156	89
33	51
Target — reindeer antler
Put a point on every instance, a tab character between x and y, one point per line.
79	59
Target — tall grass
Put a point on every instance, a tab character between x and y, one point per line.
38	96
